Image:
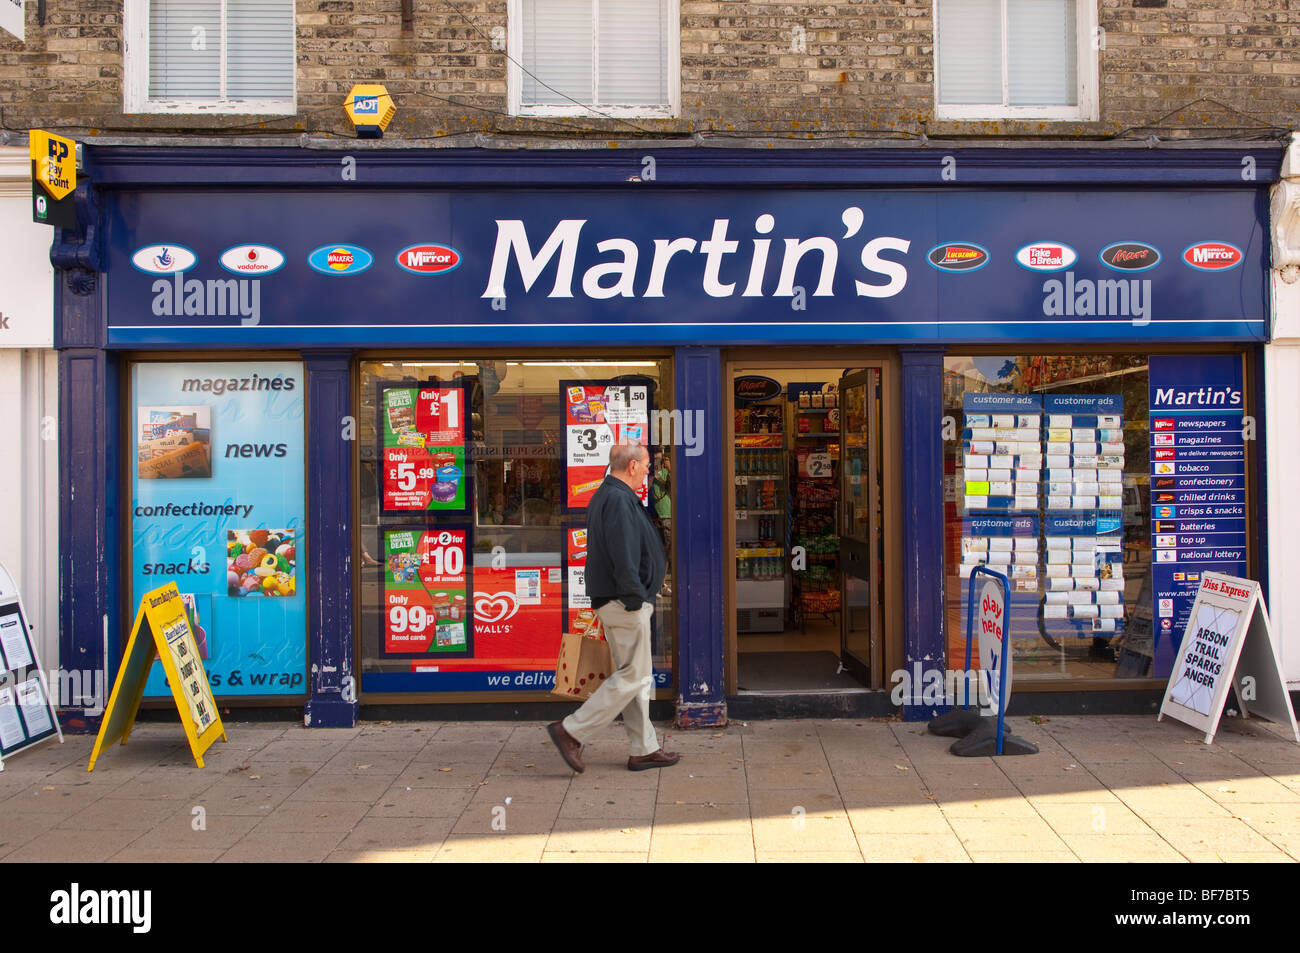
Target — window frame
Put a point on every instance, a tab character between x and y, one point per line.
515	72
135	74
1088	44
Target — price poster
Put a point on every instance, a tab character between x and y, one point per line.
426	593
579	612
598	415
517	615
424	447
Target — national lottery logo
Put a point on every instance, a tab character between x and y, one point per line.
164	259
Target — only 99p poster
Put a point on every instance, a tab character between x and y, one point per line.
427	603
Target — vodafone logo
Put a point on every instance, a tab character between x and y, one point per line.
429	259
252	259
1213	256
492	607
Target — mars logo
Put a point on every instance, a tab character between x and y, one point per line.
429	259
493	607
1213	256
1130	256
252	259
958	256
1046	256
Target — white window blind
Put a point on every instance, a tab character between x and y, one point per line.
221	49
597	52
1007	52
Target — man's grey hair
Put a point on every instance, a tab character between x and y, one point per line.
621	456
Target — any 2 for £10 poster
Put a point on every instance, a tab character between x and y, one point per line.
426	593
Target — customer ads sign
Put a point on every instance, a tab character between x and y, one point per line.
1228	643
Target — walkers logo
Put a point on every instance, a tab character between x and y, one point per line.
1213	256
340	259
164	259
1046	256
1166	512
1130	256
493	607
252	259
429	259
958	256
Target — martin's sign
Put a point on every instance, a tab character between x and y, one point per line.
732	267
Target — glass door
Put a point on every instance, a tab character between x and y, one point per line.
860	519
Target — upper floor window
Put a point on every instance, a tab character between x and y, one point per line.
579	57
1015	59
219	56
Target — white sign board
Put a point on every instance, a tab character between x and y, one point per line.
27	715
11	17
992	622
26	275
1228	643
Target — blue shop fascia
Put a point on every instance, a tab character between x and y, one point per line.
357	419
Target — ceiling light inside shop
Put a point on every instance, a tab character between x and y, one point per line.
582	363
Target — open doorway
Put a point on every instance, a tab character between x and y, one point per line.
807	501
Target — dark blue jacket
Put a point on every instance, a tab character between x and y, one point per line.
625	554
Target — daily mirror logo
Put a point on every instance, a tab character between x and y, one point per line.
252	259
429	259
164	259
1213	256
340	259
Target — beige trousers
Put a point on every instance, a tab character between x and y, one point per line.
629	689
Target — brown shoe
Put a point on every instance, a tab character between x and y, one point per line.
569	746
656	759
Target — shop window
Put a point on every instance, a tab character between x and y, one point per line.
218	504
1101	486
475	476
585	57
209	56
1016	59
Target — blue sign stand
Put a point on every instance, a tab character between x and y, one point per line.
1006	640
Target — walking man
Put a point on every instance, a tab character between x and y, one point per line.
625	570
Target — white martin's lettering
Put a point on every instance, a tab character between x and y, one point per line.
619	277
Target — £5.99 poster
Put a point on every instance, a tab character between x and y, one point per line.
424	447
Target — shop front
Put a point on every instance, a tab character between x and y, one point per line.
359	421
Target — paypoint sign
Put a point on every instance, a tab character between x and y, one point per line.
54	178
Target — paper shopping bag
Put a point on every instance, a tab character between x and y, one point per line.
582	667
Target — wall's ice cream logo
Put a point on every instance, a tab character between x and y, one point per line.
252	259
958	256
164	259
1046	256
492	607
340	259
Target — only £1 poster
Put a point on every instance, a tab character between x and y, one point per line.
426	593
596	417
424	447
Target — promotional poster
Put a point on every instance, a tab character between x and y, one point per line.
598	415
217	505
424	448
426	587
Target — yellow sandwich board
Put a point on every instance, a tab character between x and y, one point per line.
162	630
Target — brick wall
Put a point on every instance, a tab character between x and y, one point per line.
855	69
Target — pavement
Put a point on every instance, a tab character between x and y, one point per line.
839	790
